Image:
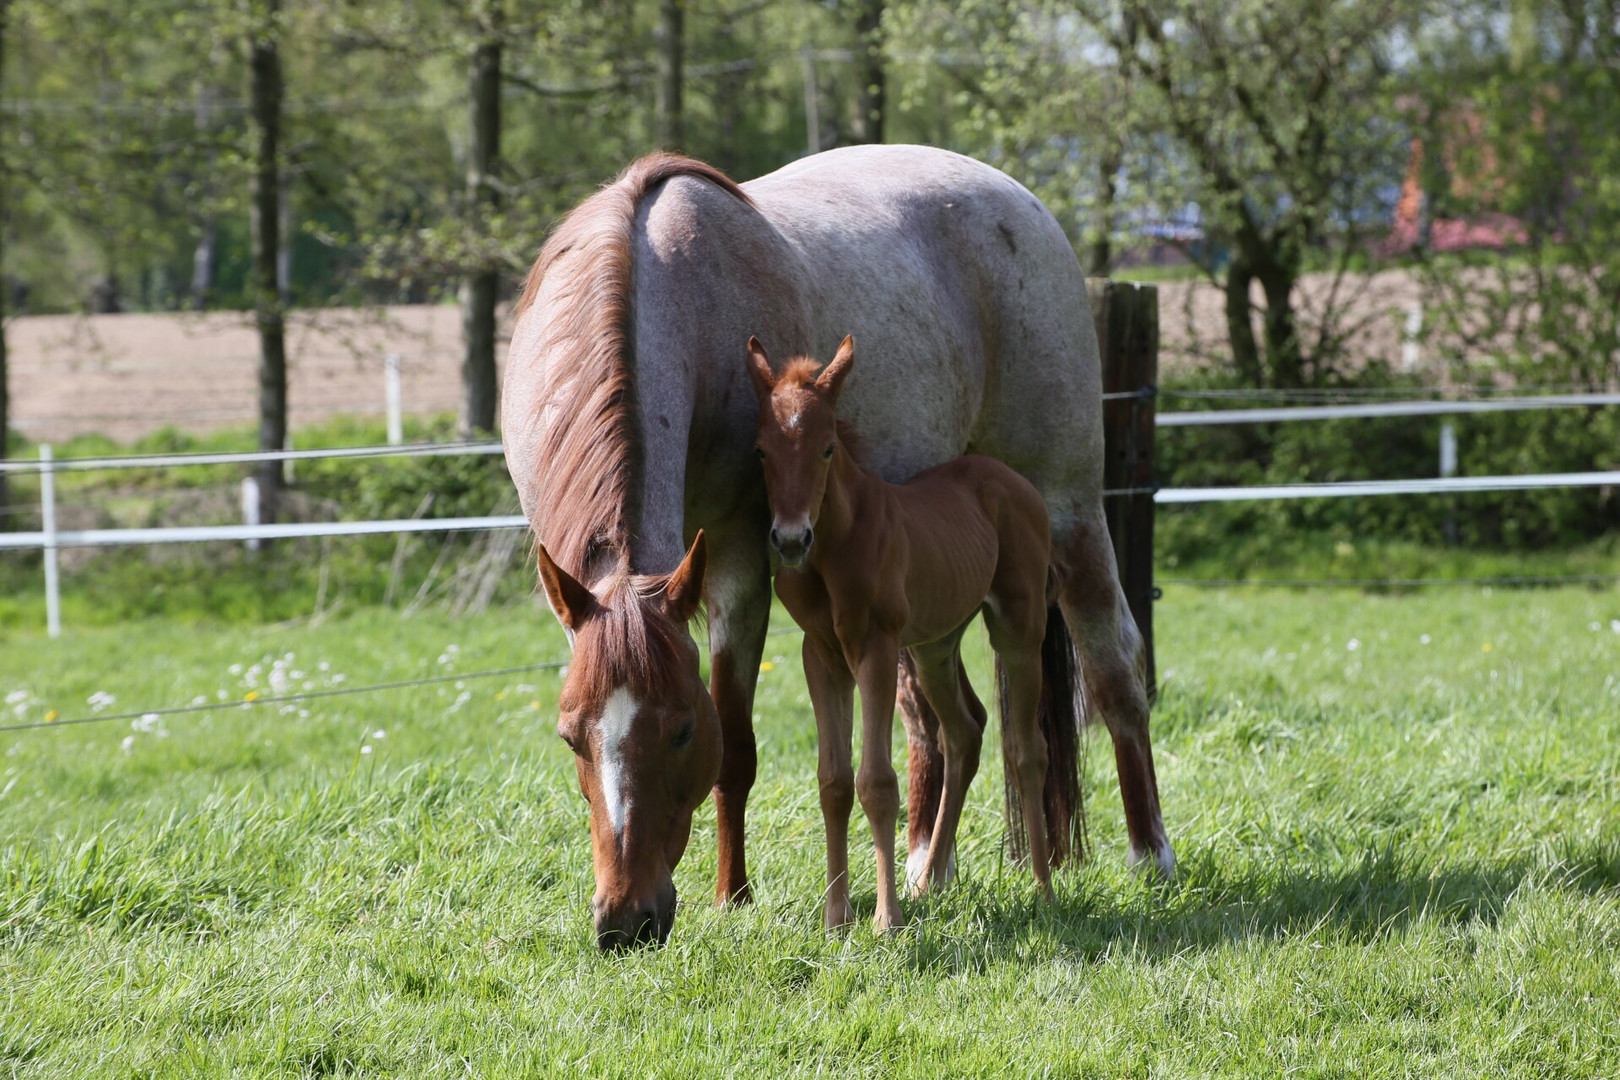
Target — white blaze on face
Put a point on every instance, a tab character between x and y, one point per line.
615	730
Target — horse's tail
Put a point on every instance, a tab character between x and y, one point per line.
1058	718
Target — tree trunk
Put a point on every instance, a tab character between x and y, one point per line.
479	287
205	259
1102	248
1284	356
1240	323
671	48
870	95
265	225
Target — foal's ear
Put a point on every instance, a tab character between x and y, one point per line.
570	600
831	379
685	589
759	369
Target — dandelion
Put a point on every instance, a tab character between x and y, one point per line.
1424	640
1486	648
51	716
1353	644
766	665
534	704
251	695
500	695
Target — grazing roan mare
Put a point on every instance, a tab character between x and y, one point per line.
629	424
869	568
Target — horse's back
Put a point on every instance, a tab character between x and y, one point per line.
967	303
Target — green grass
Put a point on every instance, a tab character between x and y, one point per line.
1397	859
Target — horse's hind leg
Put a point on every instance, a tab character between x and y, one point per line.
1112	668
925	768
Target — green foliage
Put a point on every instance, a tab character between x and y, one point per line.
1396	859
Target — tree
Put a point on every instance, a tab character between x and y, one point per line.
265	93
871	91
479	288
671	46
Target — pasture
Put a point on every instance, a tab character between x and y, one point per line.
1397	819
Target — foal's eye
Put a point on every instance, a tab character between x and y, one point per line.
826	455
682	736
759	452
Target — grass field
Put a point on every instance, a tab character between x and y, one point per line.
1398	821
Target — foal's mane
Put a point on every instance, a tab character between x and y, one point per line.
802	371
587	449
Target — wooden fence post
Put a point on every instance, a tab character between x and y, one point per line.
1127	318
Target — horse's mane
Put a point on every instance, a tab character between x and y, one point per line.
632	643
587	446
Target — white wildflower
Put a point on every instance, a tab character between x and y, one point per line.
235	669
1353	644
100	700
365	749
129	744
378	734
1424	640
17	697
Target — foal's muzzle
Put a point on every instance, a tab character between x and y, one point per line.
792	544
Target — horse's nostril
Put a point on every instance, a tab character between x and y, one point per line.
647	927
809	538
776	538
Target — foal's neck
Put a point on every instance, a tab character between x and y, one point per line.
846	483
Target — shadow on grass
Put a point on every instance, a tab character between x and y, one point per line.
1211	905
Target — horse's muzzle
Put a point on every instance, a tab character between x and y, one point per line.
635	925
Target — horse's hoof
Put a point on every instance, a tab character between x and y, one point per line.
1160	864
917	871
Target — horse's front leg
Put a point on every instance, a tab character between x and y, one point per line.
738	596
875	782
832	693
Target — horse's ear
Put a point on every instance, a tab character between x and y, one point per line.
570	600
685	589
759	369
831	380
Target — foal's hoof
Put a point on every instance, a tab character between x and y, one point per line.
887	924
838	917
1160	864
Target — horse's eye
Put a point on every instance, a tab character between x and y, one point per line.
682	736
759	452
828	453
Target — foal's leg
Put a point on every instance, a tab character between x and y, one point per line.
961	723
1112	667
1027	748
875	782
832	693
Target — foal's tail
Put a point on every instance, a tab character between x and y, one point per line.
1058	717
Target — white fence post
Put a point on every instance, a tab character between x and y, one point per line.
47	518
391	387
1411	348
250	508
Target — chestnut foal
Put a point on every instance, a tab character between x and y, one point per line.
869	568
